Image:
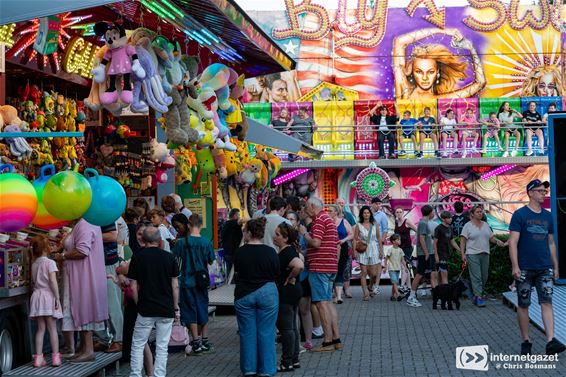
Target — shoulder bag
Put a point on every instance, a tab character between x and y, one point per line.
201	276
362	246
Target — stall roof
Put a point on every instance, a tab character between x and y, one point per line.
259	54
12	11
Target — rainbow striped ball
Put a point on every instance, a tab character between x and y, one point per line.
18	202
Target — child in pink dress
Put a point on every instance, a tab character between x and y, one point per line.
45	306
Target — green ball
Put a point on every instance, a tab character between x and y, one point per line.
67	195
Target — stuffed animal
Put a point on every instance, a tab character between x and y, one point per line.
164	52
220	162
159	151
184	163
71	115
237	121
122	59
9	115
205	160
149	90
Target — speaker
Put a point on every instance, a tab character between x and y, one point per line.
557	165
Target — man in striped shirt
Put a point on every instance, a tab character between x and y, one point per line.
322	261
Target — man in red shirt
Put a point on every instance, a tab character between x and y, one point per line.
322	260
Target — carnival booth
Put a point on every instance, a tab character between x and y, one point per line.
104	102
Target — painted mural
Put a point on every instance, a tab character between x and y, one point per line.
488	49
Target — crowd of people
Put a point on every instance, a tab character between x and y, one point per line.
292	264
398	130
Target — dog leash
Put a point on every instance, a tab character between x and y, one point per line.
463	268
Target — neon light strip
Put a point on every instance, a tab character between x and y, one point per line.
497	171
173	8
289	176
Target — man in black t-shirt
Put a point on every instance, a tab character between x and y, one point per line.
459	219
443	239
533	126
231	237
386	127
155	273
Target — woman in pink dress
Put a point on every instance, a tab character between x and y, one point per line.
45	306
85	301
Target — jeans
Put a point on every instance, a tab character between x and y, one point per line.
115	324
381	140
256	314
342	262
478	265
542	280
287	325
142	330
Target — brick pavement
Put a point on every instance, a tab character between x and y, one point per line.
383	338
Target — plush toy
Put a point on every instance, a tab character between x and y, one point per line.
220	163
164	52
237	121
35	95
71	115
159	151
215	79
148	91
205	160
10	117
143	37
184	163
123	60
60	104
19	147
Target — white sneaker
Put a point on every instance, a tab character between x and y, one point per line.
513	153
464	154
506	154
529	153
444	154
412	301
376	290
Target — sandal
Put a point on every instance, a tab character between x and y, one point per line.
366	298
347	295
285	368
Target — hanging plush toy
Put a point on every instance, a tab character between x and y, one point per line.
123	61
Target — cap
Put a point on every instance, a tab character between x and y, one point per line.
536	183
376	200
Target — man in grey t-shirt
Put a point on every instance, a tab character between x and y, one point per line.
425	255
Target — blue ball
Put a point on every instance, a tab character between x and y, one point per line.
108	199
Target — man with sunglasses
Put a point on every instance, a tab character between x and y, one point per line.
533	257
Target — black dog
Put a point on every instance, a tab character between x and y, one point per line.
450	293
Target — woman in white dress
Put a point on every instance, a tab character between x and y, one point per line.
367	232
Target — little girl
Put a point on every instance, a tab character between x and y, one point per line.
469	129
493	127
45	306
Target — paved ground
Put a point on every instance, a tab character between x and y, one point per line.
383	338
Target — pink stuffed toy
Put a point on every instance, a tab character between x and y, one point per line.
122	60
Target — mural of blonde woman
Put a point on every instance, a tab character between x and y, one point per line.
512	187
432	71
543	81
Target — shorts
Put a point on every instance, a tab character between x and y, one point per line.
408	251
543	280
442	265
424	267
193	303
448	131
533	129
408	134
306	287
491	133
511	130
394	277
427	133
321	285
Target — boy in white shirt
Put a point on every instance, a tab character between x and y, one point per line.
394	257
448	128
157	217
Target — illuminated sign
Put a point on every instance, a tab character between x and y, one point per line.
79	56
7	34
